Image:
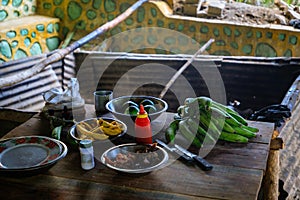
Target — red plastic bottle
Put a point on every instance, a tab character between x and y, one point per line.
143	131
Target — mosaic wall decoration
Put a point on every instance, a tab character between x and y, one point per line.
28	36
11	9
84	16
230	39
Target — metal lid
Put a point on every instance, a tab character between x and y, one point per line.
85	143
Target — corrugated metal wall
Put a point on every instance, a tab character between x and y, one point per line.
255	82
27	95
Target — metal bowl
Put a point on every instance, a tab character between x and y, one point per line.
135	167
115	106
74	135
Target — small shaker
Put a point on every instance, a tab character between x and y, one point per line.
86	154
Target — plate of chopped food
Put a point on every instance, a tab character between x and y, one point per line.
135	158
98	129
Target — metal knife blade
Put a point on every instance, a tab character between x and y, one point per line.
174	150
201	161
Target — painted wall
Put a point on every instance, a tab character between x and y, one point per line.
11	9
24	34
183	35
231	39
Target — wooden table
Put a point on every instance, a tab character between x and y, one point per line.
237	174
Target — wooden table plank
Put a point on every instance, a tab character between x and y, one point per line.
222	181
50	187
237	174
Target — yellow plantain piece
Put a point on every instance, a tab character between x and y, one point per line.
99	129
88	134
86	125
111	131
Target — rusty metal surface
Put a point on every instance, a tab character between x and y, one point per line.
27	95
255	82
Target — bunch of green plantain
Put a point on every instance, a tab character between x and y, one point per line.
203	121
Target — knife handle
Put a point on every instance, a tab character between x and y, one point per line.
203	163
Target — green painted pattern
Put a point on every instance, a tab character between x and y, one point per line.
97	4
11	34
40	27
265	50
27	42
16	13
258	34
58	12
28	39
74	10
216	32
20	54
140	14
35	49
204	29
81	25
50	28
160	23
170	40
249	34
90	14
172	26
26	8
281	37
16	3
3	15
14	44
33	34
288	53
293	40
47	6
153	12
87	15
152	39
5	2
109	5
192	29
57	2
5	49
227	31
180	27
237	33
234	45
269	35
52	43
247	49
85	1
12	9
220	43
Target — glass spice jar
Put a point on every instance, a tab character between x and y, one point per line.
87	154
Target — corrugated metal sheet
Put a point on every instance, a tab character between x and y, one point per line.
255	82
27	95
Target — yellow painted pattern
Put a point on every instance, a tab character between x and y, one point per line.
28	36
11	9
230	39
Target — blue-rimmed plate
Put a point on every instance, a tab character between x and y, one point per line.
29	153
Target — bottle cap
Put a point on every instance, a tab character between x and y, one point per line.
142	110
85	143
142	113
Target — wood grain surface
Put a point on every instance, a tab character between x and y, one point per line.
237	174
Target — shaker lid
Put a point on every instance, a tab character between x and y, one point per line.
85	143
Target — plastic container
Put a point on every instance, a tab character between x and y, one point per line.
87	154
143	131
